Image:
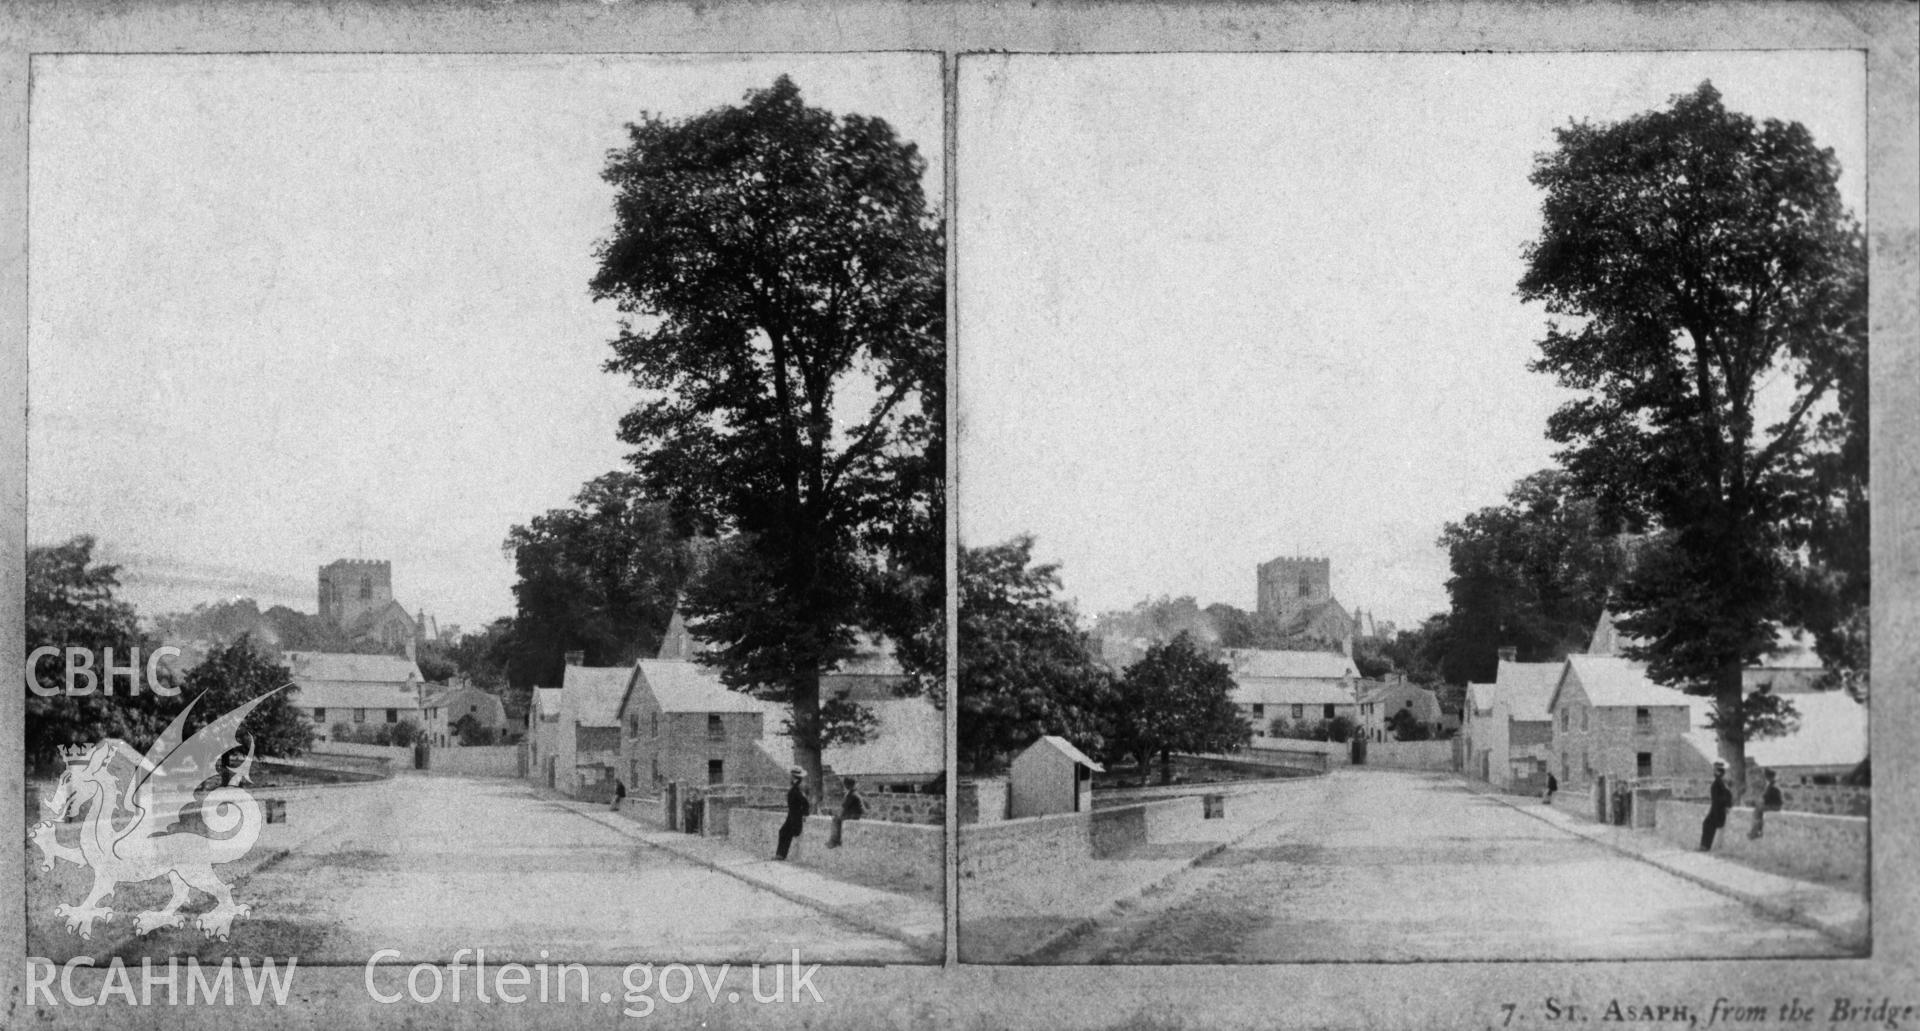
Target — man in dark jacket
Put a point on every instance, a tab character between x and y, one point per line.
852	807
799	807
1771	801
1719	800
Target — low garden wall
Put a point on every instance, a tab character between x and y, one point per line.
900	853
1037	845
1810	845
1318	756
1410	755
475	761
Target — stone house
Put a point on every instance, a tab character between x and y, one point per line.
1608	718
1297	686
465	701
543	736
586	756
1507	733
364	691
1050	776
680	724
1379	700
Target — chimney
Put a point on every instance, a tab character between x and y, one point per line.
1508	653
577	658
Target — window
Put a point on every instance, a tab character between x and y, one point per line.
656	769
716	729
393	715
1643	763
359	715
656	732
1408	704
1565	717
633	726
1329	712
1583	718
366	588
1299	712
1259	709
1643	720
319	714
716	771
1306	585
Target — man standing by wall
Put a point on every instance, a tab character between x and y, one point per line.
1771	801
852	807
798	809
1719	800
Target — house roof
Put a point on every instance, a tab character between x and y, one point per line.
680	686
593	694
1832	732
1526	688
333	695
1064	747
1288	691
908	740
365	669
1613	681
1260	662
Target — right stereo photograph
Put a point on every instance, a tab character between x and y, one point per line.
1412	507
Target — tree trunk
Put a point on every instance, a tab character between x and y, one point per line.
806	737
1728	696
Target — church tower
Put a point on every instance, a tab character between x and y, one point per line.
1288	586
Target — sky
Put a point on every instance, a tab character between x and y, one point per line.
1219	308
289	309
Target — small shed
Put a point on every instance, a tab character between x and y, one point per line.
1051	776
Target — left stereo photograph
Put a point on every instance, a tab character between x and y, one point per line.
487	512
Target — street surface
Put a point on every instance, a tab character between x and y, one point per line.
431	865
1379	865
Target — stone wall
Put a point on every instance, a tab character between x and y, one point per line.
902	807
1411	755
1809	845
1038	846
906	854
480	761
1317	756
982	800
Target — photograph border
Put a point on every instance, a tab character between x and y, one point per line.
1433	994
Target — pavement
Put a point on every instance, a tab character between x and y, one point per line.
428	865
1393	866
918	922
1842	915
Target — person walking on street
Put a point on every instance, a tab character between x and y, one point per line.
1771	801
1719	800
619	793
799	807
852	807
1553	785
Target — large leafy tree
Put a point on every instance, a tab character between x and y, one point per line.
1533	574
1176	699
1025	666
1698	255
70	603
600	577
786	275
234	675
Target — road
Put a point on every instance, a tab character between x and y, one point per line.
1389	866
430	865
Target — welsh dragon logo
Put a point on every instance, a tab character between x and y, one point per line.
131	804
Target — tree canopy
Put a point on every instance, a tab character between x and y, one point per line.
1532	574
1701	257
785	274
1176	699
600	577
1025	668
